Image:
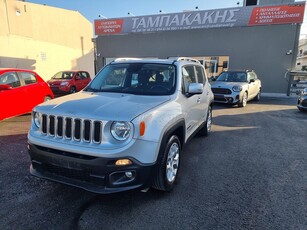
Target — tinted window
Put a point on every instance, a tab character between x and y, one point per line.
28	78
84	75
200	74
188	76
10	79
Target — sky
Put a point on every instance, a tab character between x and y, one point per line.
91	9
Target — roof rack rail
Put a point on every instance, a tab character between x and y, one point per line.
126	59
183	59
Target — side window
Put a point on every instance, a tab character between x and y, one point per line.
84	75
188	76
28	78
10	79
251	76
200	74
79	75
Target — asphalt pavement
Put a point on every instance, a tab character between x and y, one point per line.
250	173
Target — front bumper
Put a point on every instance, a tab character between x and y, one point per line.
94	174
302	103
59	90
233	98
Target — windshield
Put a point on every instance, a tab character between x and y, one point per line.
63	75
135	78
232	77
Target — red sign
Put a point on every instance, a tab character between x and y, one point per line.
277	15
103	27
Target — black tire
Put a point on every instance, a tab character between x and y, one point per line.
167	168
243	101
205	131
47	98
72	89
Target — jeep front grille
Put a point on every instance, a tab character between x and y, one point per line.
221	91
77	129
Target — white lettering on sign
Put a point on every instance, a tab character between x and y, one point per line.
180	21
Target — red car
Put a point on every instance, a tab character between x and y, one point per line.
71	81
20	91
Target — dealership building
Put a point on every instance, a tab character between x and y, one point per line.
261	35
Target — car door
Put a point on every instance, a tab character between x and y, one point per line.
252	85
85	79
257	83
77	78
33	90
204	97
13	100
191	103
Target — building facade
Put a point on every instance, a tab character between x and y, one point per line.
45	39
259	37
301	62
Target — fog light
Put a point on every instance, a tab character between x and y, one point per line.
128	174
123	162
230	99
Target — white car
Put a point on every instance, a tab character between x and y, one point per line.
126	129
236	87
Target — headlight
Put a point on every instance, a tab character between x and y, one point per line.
237	88
304	92
64	83
120	130
36	119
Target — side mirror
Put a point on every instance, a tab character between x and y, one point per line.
213	79
5	87
195	88
251	80
77	77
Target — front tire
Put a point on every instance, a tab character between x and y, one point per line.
166	170
47	98
72	89
207	127
243	101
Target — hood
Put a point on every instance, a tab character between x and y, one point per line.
228	85
56	81
102	106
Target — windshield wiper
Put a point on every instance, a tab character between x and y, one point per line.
89	89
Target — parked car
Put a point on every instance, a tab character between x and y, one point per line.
302	100
65	82
126	129
236	87
20	91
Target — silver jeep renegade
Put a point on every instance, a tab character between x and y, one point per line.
126	129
